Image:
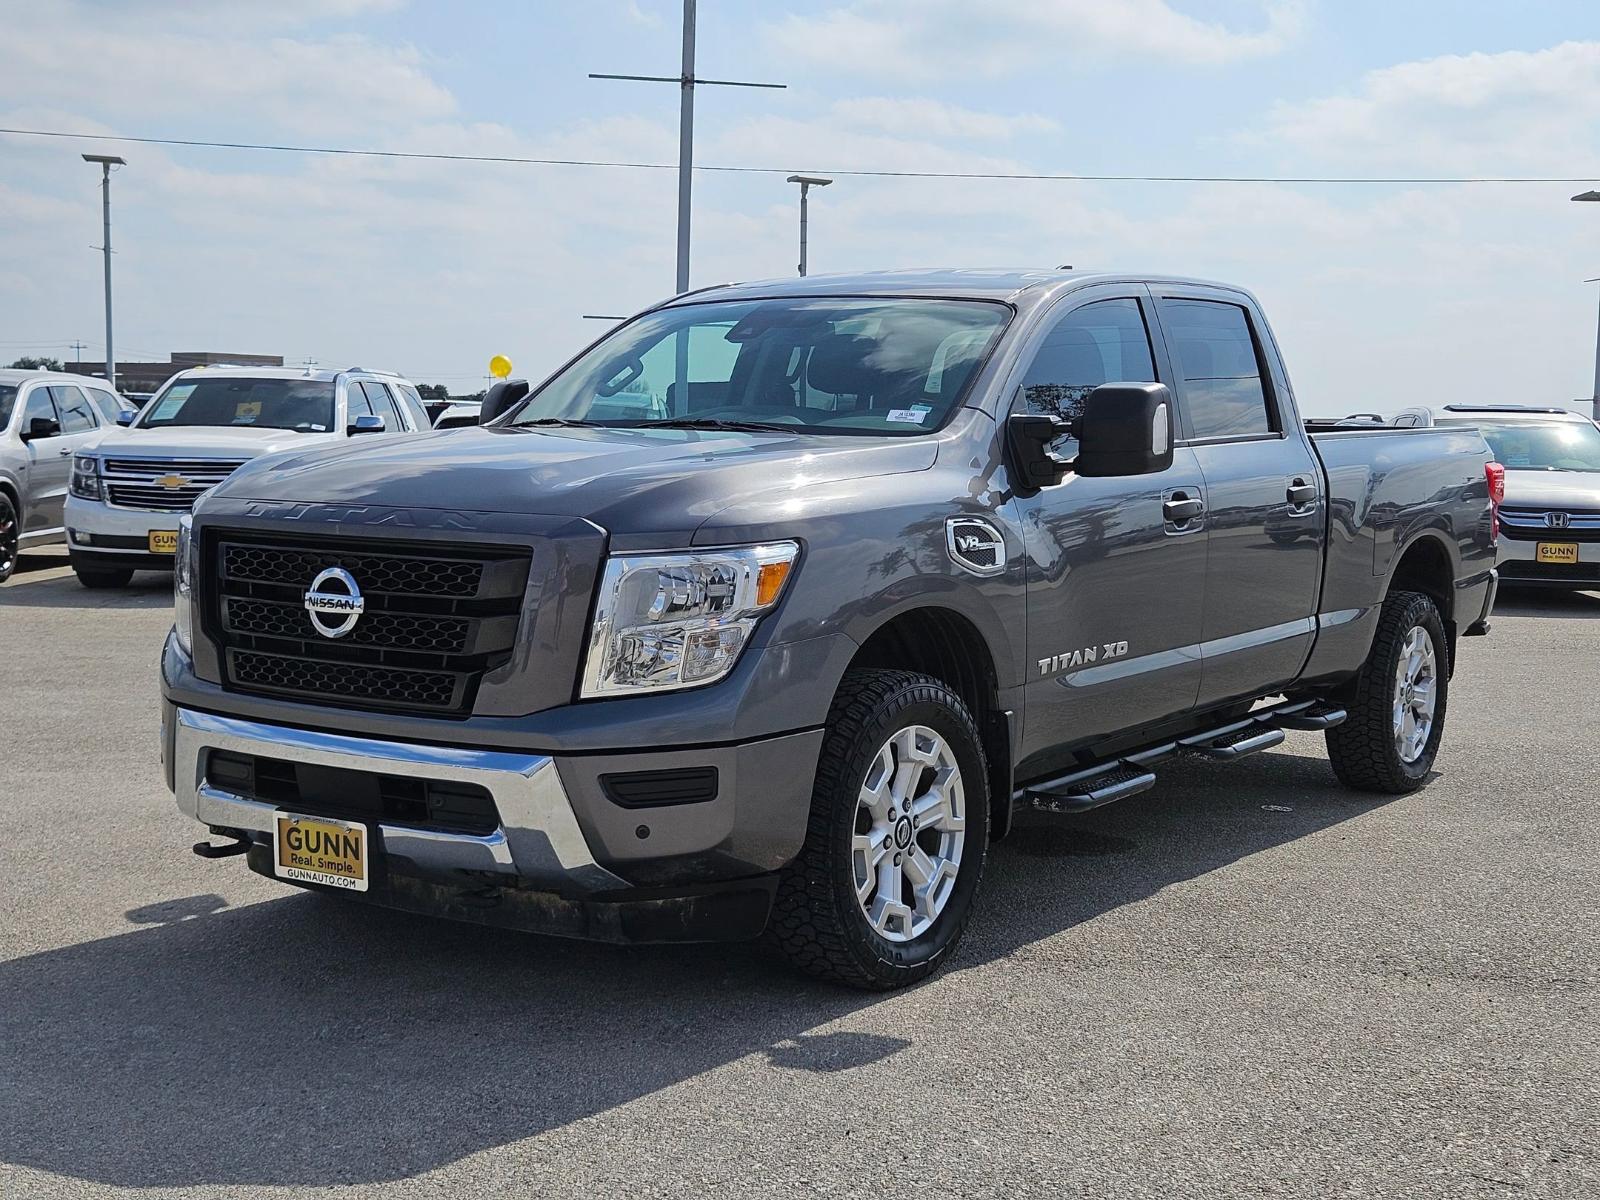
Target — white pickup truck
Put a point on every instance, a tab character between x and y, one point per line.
130	488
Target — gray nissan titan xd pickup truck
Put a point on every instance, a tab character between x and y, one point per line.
768	611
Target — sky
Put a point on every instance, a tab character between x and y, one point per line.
1382	296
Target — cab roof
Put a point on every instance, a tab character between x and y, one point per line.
962	283
249	372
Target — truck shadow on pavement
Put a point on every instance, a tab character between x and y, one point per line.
311	1042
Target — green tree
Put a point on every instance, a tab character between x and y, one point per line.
433	391
29	363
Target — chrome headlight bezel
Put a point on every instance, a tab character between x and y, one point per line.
183	577
85	482
682	619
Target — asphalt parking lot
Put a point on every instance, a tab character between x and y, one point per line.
1247	982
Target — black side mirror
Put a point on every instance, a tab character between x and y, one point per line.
42	427
1125	429
367	423
126	418
500	398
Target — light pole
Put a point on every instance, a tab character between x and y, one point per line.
1594	400
107	161
686	81
806	182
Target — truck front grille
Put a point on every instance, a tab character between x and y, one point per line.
163	484
435	620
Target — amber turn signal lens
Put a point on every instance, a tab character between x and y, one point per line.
770	582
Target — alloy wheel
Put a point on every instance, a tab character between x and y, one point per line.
910	831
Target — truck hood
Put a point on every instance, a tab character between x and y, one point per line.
202	441
1553	489
643	481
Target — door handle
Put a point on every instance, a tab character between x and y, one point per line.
1180	510
1301	494
67	453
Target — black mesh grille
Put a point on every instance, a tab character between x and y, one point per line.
435	619
388	573
352	681
437	635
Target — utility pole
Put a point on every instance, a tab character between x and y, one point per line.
687	82
77	352
106	162
806	182
1594	400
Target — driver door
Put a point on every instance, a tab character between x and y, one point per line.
49	465
1115	588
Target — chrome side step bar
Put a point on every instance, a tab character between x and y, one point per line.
1129	774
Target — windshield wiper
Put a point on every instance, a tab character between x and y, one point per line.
713	423
562	422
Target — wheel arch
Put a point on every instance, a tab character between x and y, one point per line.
948	645
1428	565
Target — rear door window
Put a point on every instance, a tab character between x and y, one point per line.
1215	353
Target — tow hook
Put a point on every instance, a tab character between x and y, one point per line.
240	845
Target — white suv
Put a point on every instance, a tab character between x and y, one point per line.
130	488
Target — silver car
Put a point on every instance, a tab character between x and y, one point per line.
1550	518
45	417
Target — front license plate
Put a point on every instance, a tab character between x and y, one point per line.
163	541
320	850
1556	552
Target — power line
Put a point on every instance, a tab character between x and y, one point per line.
1022	176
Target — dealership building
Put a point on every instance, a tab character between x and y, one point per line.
143	378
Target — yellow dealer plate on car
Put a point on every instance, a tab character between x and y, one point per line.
1556	552
320	850
163	541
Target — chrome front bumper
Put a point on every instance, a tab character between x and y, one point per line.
538	844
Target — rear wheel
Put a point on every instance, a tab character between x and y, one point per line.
894	851
104	577
10	537
1389	741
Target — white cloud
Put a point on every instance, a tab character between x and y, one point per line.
104	60
935	38
1473	113
925	118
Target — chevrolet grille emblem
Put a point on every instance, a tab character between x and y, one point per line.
173	482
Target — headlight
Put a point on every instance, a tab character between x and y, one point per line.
183	574
666	621
85	477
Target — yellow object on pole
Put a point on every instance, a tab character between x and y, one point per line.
499	366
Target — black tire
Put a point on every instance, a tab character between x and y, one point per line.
817	921
107	577
1363	750
10	537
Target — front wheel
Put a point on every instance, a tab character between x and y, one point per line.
10	537
899	828
1389	741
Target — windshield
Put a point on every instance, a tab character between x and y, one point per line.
8	401
304	405
823	365
1543	446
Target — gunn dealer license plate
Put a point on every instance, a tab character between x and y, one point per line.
163	541
320	850
1556	552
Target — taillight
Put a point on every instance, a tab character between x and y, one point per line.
1496	475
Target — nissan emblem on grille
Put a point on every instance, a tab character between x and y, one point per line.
1557	520
347	605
